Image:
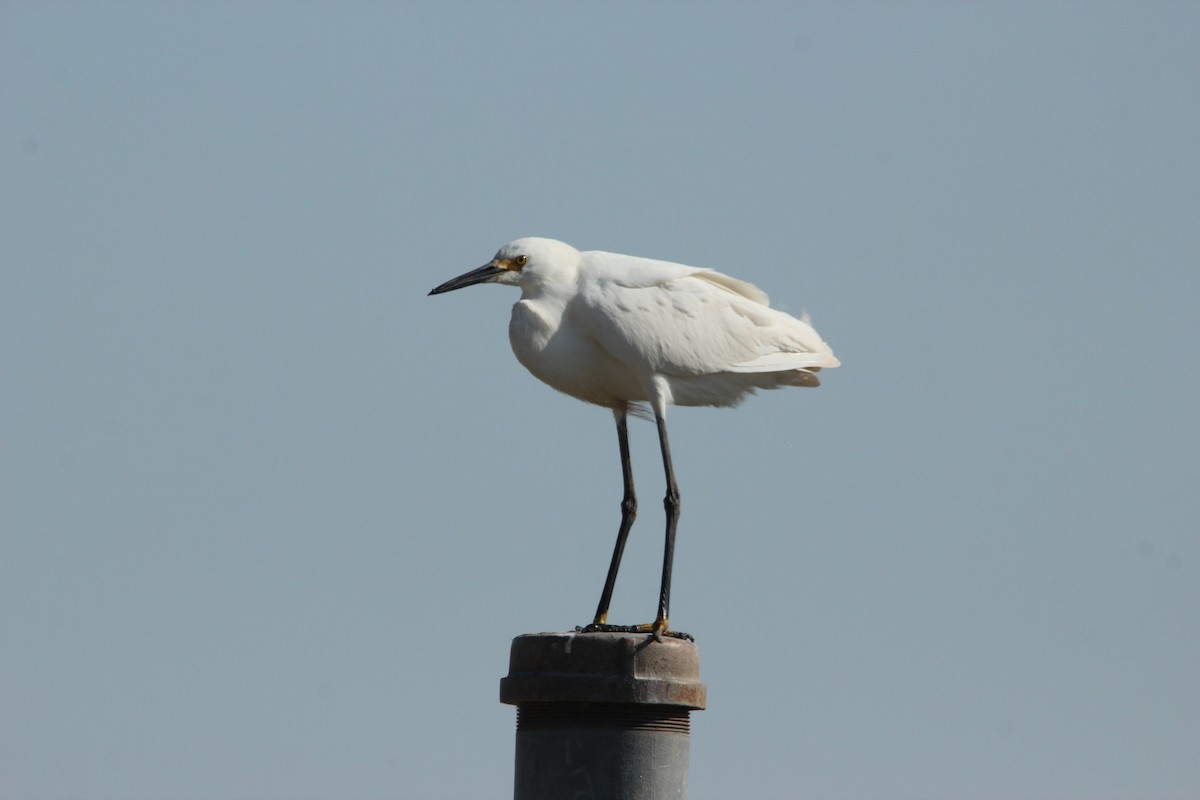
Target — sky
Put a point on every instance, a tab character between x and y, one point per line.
270	516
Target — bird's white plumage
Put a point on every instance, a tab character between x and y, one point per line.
612	329
620	331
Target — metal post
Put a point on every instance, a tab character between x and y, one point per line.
602	715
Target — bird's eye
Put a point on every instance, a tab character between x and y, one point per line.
520	260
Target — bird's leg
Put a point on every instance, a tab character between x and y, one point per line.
628	514
671	504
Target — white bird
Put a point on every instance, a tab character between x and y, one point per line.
625	332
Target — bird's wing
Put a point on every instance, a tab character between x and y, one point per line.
631	272
676	320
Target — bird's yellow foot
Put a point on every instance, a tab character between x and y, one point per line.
657	628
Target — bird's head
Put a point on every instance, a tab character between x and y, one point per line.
529	263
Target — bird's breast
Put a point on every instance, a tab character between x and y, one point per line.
561	354
530	331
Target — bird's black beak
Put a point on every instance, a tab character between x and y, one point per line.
488	272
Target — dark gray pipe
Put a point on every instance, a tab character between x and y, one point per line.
602	715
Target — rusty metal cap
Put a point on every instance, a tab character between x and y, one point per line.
603	668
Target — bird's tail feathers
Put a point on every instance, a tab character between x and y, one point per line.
786	362
789	377
802	377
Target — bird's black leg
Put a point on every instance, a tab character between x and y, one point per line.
628	514
671	504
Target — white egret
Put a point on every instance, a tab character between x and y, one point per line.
625	333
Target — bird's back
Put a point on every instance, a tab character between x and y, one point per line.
712	338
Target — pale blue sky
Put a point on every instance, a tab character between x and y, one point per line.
271	516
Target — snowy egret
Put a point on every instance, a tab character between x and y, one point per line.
629	333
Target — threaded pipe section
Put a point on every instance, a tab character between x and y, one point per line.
603	716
